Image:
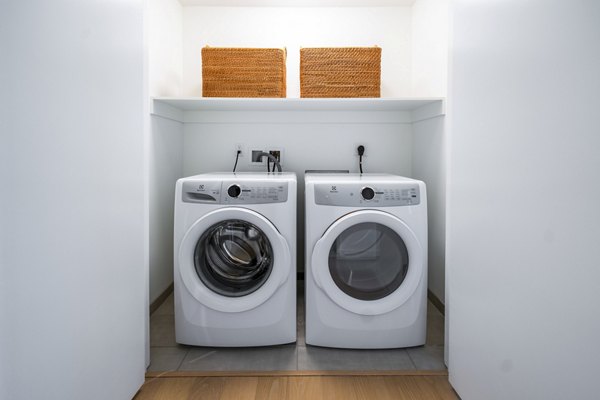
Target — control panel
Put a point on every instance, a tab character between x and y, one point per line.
233	192
380	195
254	192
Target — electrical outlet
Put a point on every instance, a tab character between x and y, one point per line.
255	158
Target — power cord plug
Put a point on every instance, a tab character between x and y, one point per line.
361	151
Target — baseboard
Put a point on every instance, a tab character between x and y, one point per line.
186	374
161	298
436	302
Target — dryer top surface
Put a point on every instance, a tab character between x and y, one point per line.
356	178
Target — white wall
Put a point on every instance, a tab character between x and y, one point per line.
73	247
165	57
429	165
165	47
6	274
429	51
166	166
523	215
429	77
210	147
295	27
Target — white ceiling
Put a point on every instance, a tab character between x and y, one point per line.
297	3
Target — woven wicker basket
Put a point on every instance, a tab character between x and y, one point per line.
243	72
340	72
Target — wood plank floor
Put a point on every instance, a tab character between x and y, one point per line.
343	387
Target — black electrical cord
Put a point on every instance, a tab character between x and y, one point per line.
361	151
237	156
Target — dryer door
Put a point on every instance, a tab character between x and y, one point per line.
368	262
233	259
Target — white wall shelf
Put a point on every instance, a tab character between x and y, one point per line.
355	110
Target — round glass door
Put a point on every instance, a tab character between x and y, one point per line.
233	258
368	261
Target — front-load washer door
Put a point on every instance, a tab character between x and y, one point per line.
368	262
233	259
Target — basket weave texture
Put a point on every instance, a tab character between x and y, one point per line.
340	72
243	72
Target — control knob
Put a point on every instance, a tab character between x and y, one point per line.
234	190
367	193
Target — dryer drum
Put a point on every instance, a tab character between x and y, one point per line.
368	261
233	258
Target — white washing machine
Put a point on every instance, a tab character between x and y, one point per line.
366	261
235	259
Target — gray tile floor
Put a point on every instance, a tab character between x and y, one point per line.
167	355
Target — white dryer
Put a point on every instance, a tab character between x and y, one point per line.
235	259
366	261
